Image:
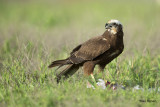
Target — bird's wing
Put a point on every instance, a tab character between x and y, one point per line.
89	50
75	49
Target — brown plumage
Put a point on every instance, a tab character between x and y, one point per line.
99	50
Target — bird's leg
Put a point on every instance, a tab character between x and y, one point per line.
92	76
94	81
88	68
101	69
103	75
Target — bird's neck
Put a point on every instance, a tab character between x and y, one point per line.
119	40
115	39
120	36
106	34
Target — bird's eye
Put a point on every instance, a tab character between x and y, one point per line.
114	23
106	24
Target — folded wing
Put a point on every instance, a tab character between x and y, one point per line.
89	50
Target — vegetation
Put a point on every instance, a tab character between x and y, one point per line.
34	33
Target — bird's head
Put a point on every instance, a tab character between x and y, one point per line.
114	26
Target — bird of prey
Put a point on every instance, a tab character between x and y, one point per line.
99	50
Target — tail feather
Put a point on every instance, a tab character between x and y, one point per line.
58	63
67	72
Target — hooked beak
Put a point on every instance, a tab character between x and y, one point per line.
108	26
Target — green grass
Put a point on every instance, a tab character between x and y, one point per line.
34	33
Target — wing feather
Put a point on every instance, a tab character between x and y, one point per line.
89	50
75	49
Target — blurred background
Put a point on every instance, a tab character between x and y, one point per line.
58	25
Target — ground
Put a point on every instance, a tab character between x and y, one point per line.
34	33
